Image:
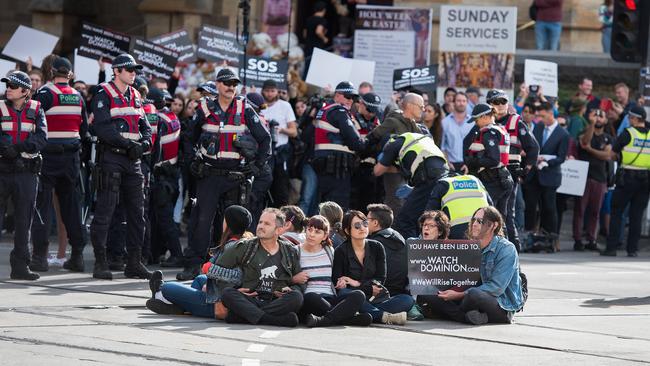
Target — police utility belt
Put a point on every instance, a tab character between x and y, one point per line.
115	150
493	174
61	148
201	169
21	165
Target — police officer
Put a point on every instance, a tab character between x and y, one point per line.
487	148
124	135
259	197
207	89
422	163
459	196
335	140
366	188
23	136
521	140
218	127
65	110
632	181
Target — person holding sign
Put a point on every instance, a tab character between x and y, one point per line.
23	135
500	294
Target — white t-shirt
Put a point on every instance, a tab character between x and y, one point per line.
282	113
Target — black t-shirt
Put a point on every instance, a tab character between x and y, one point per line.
312	39
597	167
268	276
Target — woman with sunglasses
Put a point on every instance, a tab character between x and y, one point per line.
360	264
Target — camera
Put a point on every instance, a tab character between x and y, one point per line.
533	89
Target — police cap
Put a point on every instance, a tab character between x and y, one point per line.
638	112
126	61
19	78
139	81
255	100
61	65
346	88
226	74
480	110
372	102
495	94
209	87
157	96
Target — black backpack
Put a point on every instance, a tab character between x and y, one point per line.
524	287
532	11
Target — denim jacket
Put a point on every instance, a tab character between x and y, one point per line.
500	273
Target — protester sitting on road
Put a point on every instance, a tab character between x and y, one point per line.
294	227
360	264
500	294
334	215
321	306
434	225
203	297
380	219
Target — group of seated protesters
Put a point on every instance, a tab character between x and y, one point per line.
293	271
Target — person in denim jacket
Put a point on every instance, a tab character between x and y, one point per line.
500	294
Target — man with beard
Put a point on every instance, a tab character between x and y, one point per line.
454	130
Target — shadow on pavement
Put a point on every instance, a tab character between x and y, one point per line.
625	301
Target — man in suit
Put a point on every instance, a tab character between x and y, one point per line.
544	179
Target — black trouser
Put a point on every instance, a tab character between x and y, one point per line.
21	187
259	194
164	193
251	309
535	193
281	181
474	299
122	182
338	309
513	234
365	189
60	172
146	173
499	190
116	241
634	191
331	188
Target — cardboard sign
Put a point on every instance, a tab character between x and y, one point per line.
101	42
438	265
259	69
327	70
481	29
574	177
542	73
5	68
158	61
422	79
180	42
218	44
28	42
87	69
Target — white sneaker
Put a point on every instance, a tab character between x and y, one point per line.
54	261
395	319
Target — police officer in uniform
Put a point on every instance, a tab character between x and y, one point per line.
366	188
521	140
65	110
124	135
24	134
632	181
218	129
487	149
459	196
423	164
335	140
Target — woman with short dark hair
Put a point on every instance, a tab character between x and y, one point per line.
434	225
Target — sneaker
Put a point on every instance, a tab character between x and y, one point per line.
161	307
476	317
56	262
155	282
394	319
414	313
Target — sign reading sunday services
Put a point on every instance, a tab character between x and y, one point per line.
489	29
101	42
180	42
218	44
157	61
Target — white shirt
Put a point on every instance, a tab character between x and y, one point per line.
282	113
550	129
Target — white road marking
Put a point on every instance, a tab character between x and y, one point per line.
250	362
625	272
270	334
256	347
562	273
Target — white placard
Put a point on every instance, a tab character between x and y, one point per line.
542	73
29	42
87	70
327	69
574	177
481	29
5	67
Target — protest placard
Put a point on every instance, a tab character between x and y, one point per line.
218	44
102	42
259	69
27	42
157	61
438	265
180	42
422	79
322	73
542	73
574	177
87	70
6	67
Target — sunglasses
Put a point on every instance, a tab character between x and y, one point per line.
499	101
359	225
351	97
232	83
13	86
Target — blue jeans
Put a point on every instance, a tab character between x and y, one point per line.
309	191
606	39
190	298
547	35
396	304
520	207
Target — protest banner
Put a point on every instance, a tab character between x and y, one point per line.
259	69
218	44
321	73
574	177
101	42
438	265
87	70
392	37
157	61
180	42
422	79
542	73
476	48
6	67
27	42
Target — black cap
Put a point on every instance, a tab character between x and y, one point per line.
61	65
18	78
638	112
226	74
346	88
155	96
255	100
480	110
125	61
167	95
372	102
269	84
209	87
473	89
494	94
238	219
139	81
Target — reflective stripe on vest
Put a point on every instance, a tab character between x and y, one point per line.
64	116
225	131
10	120
422	145
464	196
170	140
323	129
128	112
511	127
636	154
504	144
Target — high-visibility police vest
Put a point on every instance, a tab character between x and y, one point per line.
64	116
226	131
515	144
129	112
151	113
636	154
170	139
323	129
504	143
20	126
422	145
465	195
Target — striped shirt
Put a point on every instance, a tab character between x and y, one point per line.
319	268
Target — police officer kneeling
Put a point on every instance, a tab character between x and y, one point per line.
23	136
124	135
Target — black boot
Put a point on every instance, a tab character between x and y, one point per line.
101	270
39	260
172	262
313	321
76	261
359	320
23	273
155	282
188	274
116	263
134	267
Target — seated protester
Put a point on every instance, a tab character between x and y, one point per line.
334	215
202	298
500	294
321	306
360	264
380	219
294	227
434	225
268	265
